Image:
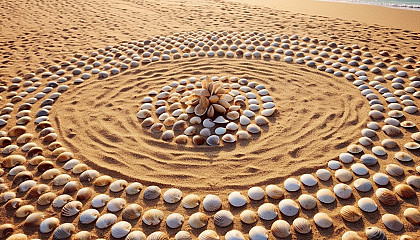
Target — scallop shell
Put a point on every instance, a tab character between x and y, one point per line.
223	218
158	236
291	184
88	216
134	188
405	191
322	220
392	222
63	231
198	220
236	199
412	215
208	235
267	211
174	220
274	191
308	180
72	208
386	196
350	213
258	233
100	200
153	217
211	203
301	225
256	193
152	192
120	229
116	204
403	157
106	220
191	201
323	174
136	235
325	196
24	211
172	195
281	229
307	201
248	217
342	190
367	204
362	185
233	235
351	235
49	224
62	200
288	207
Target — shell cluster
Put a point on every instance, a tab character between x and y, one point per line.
38	172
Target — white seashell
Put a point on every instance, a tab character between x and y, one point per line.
392	222
136	235
64	231
244	120
88	216
362	185
301	225
172	195
243	135
151	192
153	217
380	179
116	204
100	200
403	157
72	208
367	204
236	199
232	126
412	215
413	181
307	201
354	149
211	203
323	174
268	112
308	180
280	229
158	236
213	140
198	220
49	224
322	220
267	211
62	200
343	175
253	128
120	229
288	207
208	235
208	123
132	211
133	188
274	191
334	165
106	220
291	185
325	196
256	193
368	159
220	130
233	235
346	157
248	217
389	143
258	233
174	220
394	170
359	169
223	218
261	120
375	233
342	190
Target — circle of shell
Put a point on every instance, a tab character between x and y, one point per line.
48	175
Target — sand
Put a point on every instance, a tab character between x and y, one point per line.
318	115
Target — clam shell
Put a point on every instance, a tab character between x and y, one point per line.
323	174
365	141
389	143
386	196
253	128
62	200
174	220
63	231
106	220
208	235
394	170
132	211
33	219
354	149
151	192
391	130
6	196
102	181
308	180
281	229
116	204
380	179
322	220
243	135
120	229
234	235
350	213
413	181
416	136
223	218
334	165
368	159
100	200
213	140
258	233
274	191
61	179
88	216
288	207
307	201
136	235
71	187
351	235
405	191
291	184
412	146
346	157
367	204
172	195
359	169
198	140
256	193
183	235
84	194
49	224
72	208
392	222
412	215
83	235
248	217
403	157
191	201
118	185
342	190
158	236
236	199
267	211
153	217
133	188
198	220
168	135
362	185
379	151
325	196
301	225
212	203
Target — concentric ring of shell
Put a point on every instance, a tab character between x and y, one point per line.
60	181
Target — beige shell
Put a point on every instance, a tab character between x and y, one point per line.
379	151
6	196
100	200
62	200
412	215
274	191
102	181
158	236
70	164
223	218
198	220
389	143
72	208
323	174
413	181
325	196
63	231
136	235
13	160
172	195
391	130
403	157
84	194
308	180
88	216
301	225
281	229
116	204
380	179
134	188
132	211
118	185
64	157
307	201
243	135
16	131
191	201
79	168
350	213
183	235
120	229
343	175
248	217
267	211
83	235
233	235
405	191
258	232
50	174
406	237
291	184
208	235
71	187
322	220
362	185
211	203
49	224
354	149
24	138
106	220
367	204
34	219
151	192
174	220
394	170
38	190
288	207
24	211
88	175
6	230
58	151
153	217
392	222
351	235
386	196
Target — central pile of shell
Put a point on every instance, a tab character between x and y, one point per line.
207	109
44	186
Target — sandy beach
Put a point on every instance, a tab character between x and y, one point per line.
303	107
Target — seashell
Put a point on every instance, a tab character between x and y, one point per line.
63	231
267	211
136	235
274	191
359	169
102	181
405	191
22	176
243	135
368	159
34	219
13	160
84	194
261	120
38	190
88	175
83	235
392	222
158	236
71	187
288	207
213	140
248	217
258	233
49	224
198	220
5	141
268	112
116	204
325	196
323	174
386	196
44	166
9	149
389	143
153	217
223	218
134	188
233	235
394	170
172	195
208	235
413	181
132	211
416	136
191	201
391	130
408	124
27	185
354	149
13	204
16	131
24	211
403	157
301	225
405	237
151	192
24	138
256	193
64	157
363	185
70	164
236	199
342	191
345	158
50	174
62	200
322	220
88	216
72	208
253	128
118	185
106	220
120	229
412	215
100	200
380	179
350	213
291	185
174	220
6	196
334	165
280	229
211	203
308	180
412	146
367	204
170	121
6	230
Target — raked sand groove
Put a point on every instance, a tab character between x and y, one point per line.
311	205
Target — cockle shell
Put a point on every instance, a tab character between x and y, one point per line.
307	201
236	199
172	195
350	213
386	196
72	208
405	191
198	220
208	235
211	203
323	174
158	236
100	200
362	185
174	220
308	180
248	217
132	211
325	196
412	215
106	220
291	184
136	235
153	217
116	204
367	204
322	220
151	192
63	231
342	191
233	235
191	201
258	233
256	193
281	229
88	216
267	211
223	218
274	191
62	200
288	207
24	211
301	225
134	188
392	222
120	229
49	225
118	185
